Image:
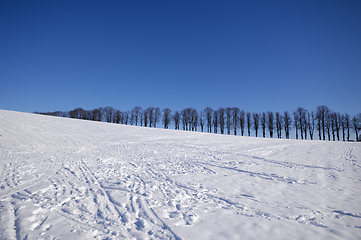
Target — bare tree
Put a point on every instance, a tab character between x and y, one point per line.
263	123
328	125
156	116
87	114
117	117
208	112
347	125
77	113
296	122
176	119
311	123
221	112
287	123
242	121
131	118
126	117
146	117
166	117
333	125
270	123
279	124
343	126
321	115
338	121
202	118
184	117
96	114
256	123
302	121
356	123
249	123
151	116
215	121
73	114
194	119
109	111
189	119
319	125
136	112
235	118
228	120
306	124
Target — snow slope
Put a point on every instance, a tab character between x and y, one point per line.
72	179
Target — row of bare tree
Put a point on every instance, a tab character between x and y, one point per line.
328	124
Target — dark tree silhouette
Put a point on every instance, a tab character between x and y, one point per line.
328	125
235	118
208	112
131	118
156	116
305	123
194	119
249	123
117	116
215	121
296	122
176	119
73	114
184	119
356	123
321	115
97	114
242	121
87	115
167	117
221	113
347	125
228	120
287	123
77	113
60	114
145	117
136	112
263	123
311	123
126	117
279	124
202	121
189	115
270	123
343	126
63	114
108	111
256	123
338	120
302	122
333	125
151	116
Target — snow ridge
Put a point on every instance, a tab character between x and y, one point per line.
71	179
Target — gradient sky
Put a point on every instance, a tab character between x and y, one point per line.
255	55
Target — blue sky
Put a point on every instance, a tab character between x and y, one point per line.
255	55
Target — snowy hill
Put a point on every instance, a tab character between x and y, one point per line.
62	178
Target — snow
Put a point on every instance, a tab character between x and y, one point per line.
63	178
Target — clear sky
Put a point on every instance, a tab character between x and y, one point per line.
255	55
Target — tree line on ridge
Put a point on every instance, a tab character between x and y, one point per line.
329	125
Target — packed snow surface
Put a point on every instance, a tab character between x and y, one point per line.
73	179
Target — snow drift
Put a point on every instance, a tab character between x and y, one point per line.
73	179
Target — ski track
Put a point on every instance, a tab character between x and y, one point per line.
152	188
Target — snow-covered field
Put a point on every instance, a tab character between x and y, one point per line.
72	179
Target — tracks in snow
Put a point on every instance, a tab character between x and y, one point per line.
75	199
